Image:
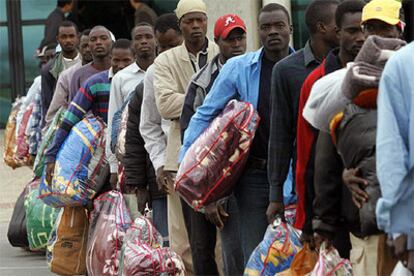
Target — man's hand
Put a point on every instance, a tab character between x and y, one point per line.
31	161
275	209
309	239
319	238
143	197
50	169
113	180
165	180
216	215
354	182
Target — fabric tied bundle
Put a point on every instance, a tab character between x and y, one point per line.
80	169
214	163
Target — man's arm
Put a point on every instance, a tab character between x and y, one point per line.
60	97
328	187
77	109
282	133
168	98
223	90
150	124
115	103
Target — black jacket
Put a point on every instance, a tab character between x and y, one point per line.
138	167
355	141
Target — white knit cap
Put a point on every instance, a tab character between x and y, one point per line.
187	6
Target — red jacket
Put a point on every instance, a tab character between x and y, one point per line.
306	141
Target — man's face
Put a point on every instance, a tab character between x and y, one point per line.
68	39
84	49
351	37
100	43
143	41
121	58
170	39
233	45
274	30
380	28
193	26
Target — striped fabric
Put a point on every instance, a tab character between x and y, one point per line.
93	96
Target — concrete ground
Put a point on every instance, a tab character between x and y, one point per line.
15	261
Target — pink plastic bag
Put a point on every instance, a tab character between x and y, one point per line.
214	163
108	224
21	155
331	264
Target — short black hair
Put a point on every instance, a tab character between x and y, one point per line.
348	6
62	3
86	32
165	22
275	7
67	23
316	12
123	43
140	25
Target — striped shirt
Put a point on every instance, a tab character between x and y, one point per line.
92	96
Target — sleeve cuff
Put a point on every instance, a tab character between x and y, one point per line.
276	193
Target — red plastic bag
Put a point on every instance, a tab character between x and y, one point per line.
214	163
108	224
142	253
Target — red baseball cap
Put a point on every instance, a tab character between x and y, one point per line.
226	23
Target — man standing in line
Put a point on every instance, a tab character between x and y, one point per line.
61	95
68	40
92	96
53	22
230	36
100	43
151	128
351	39
287	78
247	78
173	71
143	43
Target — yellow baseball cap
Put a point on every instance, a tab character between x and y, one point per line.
384	10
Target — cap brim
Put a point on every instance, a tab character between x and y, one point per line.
227	31
388	20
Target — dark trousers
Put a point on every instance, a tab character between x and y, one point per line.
202	236
252	194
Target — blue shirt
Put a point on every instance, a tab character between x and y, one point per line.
395	144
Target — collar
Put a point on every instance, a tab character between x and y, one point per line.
257	56
110	74
185	54
134	68
333	62
71	59
308	54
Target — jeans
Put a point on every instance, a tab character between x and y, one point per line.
233	260
252	195
160	217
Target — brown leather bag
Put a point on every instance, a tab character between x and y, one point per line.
68	247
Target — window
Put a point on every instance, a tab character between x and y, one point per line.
300	31
37	9
31	39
